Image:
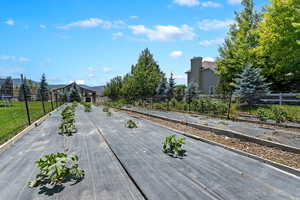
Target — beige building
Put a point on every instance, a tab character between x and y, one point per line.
203	74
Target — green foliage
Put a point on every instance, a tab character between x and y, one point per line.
262	114
87	107
236	51
251	86
7	87
24	87
278	51
143	79
56	168
173	146
172	86
191	92
105	109
74	95
209	106
279	115
179	92
109	114
131	124
113	88
67	126
43	89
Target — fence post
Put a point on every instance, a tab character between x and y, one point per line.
43	105
51	101
25	99
280	98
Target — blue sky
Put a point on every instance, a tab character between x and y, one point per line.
92	41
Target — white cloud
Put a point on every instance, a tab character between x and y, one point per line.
43	26
117	35
176	54
191	3
92	75
165	33
107	69
187	2
134	17
211	24
179	76
6	57
210	4
80	82
211	42
23	59
94	22
210	59
233	2
10	22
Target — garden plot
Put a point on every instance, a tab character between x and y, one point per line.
104	176
207	172
287	137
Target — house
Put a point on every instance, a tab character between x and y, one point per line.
203	74
86	95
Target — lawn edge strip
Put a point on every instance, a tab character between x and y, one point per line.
229	133
22	133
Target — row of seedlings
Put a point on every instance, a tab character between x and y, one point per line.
87	107
58	168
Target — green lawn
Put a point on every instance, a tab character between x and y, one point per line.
13	119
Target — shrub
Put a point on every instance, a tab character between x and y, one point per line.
262	115
57	168
173	146
131	124
105	109
109	114
279	115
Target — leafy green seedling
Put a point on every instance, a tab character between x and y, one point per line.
105	109
263	115
131	124
173	146
56	168
109	114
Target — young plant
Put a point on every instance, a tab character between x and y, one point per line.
131	124
56	168
173	146
263	115
109	114
67	129
279	115
105	109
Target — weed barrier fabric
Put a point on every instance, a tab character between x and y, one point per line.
104	176
277	135
207	172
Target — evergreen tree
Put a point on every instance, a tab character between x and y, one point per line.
24	87
191	92
144	79
179	92
74	95
7	87
236	51
43	89
162	89
251	86
171	86
278	51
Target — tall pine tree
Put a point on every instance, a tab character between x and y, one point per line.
236	51
171	86
43	89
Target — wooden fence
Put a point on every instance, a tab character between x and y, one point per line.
282	98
